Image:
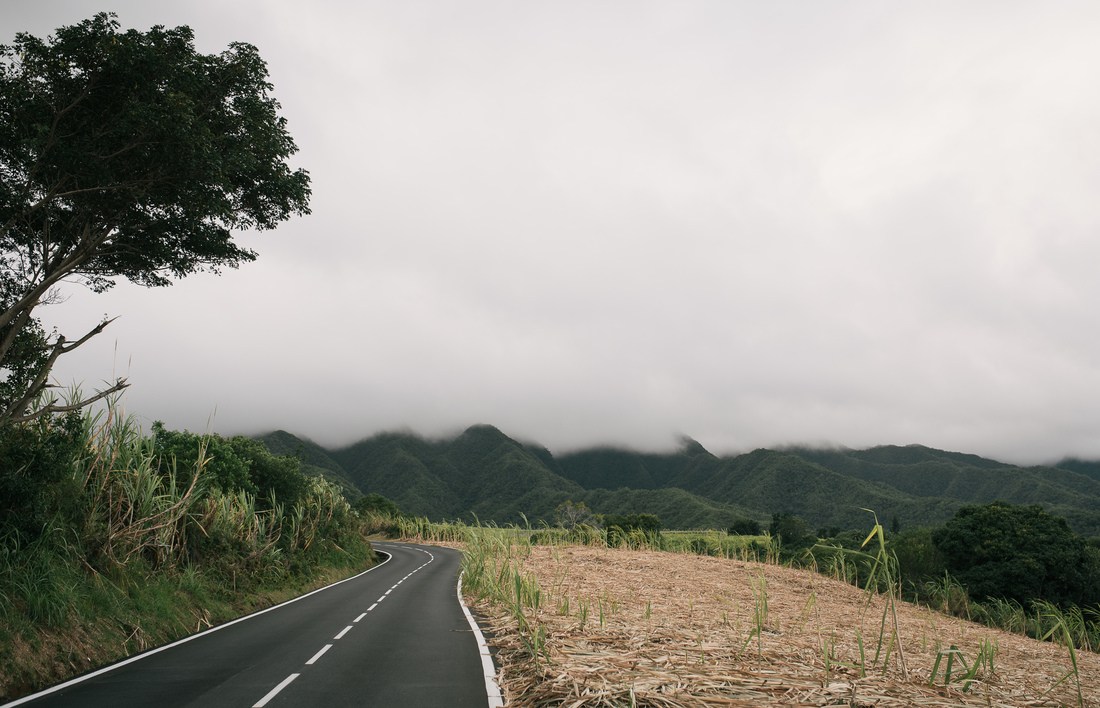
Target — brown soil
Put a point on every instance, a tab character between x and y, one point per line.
679	630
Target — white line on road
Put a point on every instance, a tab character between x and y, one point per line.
492	688
371	607
319	654
360	617
273	692
151	652
341	634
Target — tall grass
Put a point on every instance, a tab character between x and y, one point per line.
491	567
883	582
133	512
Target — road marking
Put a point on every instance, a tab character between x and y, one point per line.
371	607
360	616
492	689
273	692
151	652
319	654
341	634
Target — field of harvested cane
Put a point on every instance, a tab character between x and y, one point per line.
588	626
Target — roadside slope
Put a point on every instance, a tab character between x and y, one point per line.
659	629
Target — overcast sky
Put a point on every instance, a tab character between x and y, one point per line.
752	223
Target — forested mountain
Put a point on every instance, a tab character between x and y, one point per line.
486	474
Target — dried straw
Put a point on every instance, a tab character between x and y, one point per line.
680	630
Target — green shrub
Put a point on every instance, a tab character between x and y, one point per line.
746	527
36	474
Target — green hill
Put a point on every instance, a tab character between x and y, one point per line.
967	479
483	473
315	460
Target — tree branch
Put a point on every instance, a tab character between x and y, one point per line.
16	411
117	386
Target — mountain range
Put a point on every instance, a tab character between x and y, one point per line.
485	474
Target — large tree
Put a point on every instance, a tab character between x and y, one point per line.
125	154
1021	553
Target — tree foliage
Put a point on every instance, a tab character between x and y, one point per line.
375	503
236	464
745	527
36	475
125	154
792	531
1020	553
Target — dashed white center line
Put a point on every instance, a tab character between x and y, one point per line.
319	654
273	692
285	682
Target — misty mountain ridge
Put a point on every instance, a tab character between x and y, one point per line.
484	474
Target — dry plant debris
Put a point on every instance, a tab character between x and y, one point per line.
647	628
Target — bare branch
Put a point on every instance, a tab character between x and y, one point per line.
16	410
117	386
65	349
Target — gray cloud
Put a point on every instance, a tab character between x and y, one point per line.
617	222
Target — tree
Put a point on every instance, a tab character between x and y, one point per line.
570	515
745	527
1016	552
125	154
792	531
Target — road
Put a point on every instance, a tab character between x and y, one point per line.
395	635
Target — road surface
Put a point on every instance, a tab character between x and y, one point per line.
395	635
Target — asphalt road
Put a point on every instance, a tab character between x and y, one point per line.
395	635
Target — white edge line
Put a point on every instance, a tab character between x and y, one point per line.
275	691
492	688
138	657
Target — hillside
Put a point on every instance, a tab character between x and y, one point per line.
483	473
635	627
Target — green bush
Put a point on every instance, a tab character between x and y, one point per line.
919	559
184	452
792	532
36	474
746	527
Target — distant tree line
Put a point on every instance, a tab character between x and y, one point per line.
994	551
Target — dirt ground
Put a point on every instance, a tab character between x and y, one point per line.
649	628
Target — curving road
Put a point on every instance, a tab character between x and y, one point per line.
395	635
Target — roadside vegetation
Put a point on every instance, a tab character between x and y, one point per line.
113	540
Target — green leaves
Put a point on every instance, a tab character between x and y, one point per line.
1017	552
129	154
